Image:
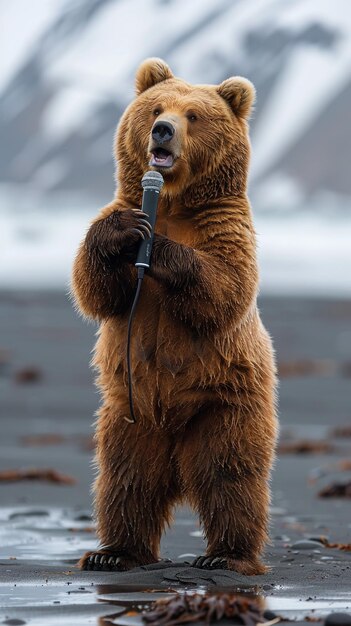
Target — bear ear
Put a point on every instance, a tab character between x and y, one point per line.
240	95
151	72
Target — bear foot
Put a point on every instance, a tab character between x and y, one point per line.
246	567
210	562
107	561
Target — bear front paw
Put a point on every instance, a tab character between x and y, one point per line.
107	560
119	234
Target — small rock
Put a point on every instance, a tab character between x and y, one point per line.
32	513
269	615
187	555
28	375
281	538
320	539
306	544
14	622
338	619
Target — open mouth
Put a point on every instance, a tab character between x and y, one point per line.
161	158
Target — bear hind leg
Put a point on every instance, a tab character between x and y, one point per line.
225	474
135	493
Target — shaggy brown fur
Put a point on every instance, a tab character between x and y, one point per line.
203	367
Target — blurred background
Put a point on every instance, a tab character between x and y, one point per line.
67	72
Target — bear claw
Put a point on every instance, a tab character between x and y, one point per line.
246	567
106	561
210	562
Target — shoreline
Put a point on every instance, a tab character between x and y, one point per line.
46	527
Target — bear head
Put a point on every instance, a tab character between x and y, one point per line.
196	136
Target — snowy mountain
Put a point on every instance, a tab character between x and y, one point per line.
67	72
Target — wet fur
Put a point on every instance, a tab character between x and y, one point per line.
203	367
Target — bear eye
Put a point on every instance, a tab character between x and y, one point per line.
192	117
156	112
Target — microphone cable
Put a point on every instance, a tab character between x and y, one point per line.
152	183
141	272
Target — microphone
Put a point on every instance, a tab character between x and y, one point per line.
152	183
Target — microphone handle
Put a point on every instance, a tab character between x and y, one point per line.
149	206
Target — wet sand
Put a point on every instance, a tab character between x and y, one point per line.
46	388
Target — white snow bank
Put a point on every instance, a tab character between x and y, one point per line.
299	253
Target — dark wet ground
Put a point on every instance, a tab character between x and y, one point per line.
46	388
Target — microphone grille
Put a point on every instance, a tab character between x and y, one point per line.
152	180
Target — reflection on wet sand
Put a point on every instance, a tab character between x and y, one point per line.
192	605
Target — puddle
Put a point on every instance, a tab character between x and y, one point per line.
40	535
33	546
27	596
136	602
138	599
297	608
122	604
289	608
52	518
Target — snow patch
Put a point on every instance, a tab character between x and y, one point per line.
300	252
304	254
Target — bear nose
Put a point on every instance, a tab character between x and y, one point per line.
162	132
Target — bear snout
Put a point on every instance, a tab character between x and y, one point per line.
162	131
164	144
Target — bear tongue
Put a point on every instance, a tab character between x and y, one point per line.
163	158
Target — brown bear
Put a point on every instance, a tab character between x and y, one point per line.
202	362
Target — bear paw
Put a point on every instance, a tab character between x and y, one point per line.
107	561
246	567
210	562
